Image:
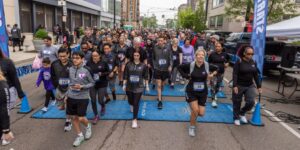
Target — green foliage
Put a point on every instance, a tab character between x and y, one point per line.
81	31
41	34
149	22
193	20
277	8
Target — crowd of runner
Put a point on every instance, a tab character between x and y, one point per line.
134	60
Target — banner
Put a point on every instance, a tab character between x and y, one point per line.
3	33
258	40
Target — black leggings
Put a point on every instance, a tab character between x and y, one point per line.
49	95
100	92
134	100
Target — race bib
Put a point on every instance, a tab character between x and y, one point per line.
188	58
174	57
47	52
134	79
200	47
64	81
96	76
162	62
110	66
198	86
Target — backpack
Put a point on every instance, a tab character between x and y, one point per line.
192	66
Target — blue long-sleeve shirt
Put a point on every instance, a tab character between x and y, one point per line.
45	77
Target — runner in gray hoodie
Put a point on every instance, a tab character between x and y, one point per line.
81	81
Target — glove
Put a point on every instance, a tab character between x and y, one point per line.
124	88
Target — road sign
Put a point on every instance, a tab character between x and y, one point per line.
62	3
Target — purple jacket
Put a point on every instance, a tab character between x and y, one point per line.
45	76
188	54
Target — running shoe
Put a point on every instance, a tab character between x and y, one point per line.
160	105
131	108
243	119
107	100
192	132
78	141
134	124
114	95
5	142
68	126
172	87
237	122
95	120
88	132
214	104
44	109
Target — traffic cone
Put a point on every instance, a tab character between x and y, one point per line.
256	117
25	107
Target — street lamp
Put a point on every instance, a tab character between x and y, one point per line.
63	3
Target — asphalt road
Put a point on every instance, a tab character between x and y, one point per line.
42	134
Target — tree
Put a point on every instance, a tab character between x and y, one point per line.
277	8
187	18
149	22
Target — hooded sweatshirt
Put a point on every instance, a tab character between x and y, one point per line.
80	75
45	76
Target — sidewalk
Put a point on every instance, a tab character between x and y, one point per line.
21	57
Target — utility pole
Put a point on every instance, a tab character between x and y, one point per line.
114	14
63	3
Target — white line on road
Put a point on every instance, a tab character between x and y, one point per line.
279	121
283	124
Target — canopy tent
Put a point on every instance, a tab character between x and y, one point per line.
287	28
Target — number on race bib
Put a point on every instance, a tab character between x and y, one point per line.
174	57
198	86
162	62
134	79
63	81
110	66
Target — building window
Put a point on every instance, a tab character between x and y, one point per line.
216	21
87	20
217	3
40	17
76	18
25	16
49	18
298	1
94	21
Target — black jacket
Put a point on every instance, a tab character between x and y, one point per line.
4	97
60	75
135	74
99	72
9	70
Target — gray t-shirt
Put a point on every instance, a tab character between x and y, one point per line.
50	52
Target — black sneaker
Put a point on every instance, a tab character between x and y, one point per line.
153	86
160	105
114	95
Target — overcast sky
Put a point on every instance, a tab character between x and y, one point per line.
159	8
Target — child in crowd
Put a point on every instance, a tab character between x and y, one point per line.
45	76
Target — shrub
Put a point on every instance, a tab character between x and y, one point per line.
41	34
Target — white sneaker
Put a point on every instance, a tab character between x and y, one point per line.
243	119
5	142
44	109
68	126
214	104
134	124
53	102
237	122
88	132
78	141
131	108
192	131
182	82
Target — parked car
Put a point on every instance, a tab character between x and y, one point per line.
273	49
222	34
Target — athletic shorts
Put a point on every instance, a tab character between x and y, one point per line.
161	75
16	41
197	96
77	107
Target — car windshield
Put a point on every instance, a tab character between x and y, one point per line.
233	37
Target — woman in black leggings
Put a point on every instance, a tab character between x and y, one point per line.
5	134
135	77
100	71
